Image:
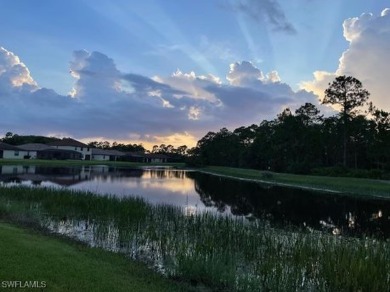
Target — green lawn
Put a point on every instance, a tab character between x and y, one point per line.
354	186
63	265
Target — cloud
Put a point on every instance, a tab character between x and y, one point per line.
319	84
246	74
366	58
22	102
114	105
97	77
14	75
265	10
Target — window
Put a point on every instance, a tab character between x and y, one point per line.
16	153
81	148
75	148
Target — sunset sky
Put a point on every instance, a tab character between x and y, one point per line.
158	71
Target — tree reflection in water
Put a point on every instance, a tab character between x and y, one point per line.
292	207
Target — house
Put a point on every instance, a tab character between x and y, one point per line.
59	154
106	155
133	157
33	149
145	158
12	152
73	145
155	158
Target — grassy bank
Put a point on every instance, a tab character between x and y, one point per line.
62	265
353	186
222	253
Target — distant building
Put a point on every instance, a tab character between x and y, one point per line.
70	149
12	152
58	154
133	157
145	158
73	145
33	149
155	158
106	155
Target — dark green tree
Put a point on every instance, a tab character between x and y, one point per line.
309	114
262	150
348	93
245	136
15	139
379	152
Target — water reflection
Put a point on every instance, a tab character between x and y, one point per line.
288	206
196	192
156	185
128	240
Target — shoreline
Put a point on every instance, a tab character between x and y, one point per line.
344	186
260	181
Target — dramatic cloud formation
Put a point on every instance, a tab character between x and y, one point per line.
14	75
22	102
108	104
97	77
366	58
266	11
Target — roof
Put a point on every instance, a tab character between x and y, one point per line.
135	154
5	146
116	152
156	155
34	146
97	151
68	142
61	151
148	155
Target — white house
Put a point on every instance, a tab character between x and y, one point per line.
33	149
12	152
71	144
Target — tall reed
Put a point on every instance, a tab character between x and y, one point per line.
223	253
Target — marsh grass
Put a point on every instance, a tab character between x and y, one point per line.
220	252
66	265
344	185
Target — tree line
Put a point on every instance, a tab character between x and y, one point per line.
176	154
305	141
15	139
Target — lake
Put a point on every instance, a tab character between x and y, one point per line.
198	192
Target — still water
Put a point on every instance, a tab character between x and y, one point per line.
198	192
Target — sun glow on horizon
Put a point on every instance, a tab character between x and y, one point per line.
148	142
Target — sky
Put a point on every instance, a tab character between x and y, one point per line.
167	72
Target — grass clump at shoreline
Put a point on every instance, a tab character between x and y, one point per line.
351	186
222	253
63	265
